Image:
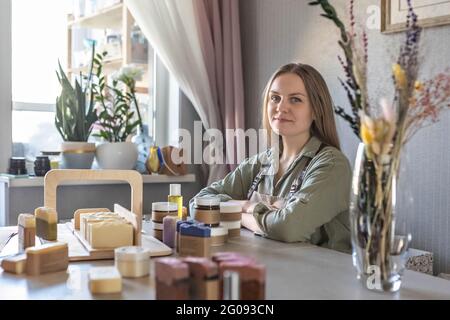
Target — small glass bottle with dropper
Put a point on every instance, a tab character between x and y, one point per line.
176	197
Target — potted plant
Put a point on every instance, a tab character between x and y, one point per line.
115	118
74	119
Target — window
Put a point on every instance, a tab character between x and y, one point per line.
39	41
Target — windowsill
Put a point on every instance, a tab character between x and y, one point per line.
147	178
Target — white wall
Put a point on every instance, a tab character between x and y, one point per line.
5	84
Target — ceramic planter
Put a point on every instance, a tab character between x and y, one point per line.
77	155
117	155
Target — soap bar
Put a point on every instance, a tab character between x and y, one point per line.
194	239
104	280
252	278
195	230
171	279
26	230
89	222
204	278
227	256
170	270
49	257
46	223
15	264
110	234
86	218
194	246
177	236
79	212
169	228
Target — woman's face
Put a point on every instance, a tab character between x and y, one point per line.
289	111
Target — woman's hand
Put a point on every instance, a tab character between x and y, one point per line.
247	205
249	222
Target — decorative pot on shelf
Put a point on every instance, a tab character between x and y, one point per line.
143	143
379	255
117	155
77	155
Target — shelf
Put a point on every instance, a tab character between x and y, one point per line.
147	178
108	18
108	65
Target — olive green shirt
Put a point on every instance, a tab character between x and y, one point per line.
317	212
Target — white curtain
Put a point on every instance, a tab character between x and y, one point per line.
171	28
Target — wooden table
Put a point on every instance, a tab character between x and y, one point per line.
294	271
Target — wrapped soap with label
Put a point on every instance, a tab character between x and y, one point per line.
194	240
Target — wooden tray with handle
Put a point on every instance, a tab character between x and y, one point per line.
79	248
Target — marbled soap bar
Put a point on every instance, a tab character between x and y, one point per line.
46	223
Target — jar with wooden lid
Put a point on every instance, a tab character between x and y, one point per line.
230	218
207	210
159	211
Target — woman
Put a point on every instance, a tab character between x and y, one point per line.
304	194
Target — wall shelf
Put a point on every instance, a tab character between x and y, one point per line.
108	18
147	178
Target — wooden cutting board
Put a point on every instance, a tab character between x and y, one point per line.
157	248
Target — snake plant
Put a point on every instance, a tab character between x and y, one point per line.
75	113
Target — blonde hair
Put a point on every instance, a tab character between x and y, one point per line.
323	126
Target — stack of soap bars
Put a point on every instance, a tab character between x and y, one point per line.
106	230
200	278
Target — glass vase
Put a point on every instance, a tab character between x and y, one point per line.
379	255
143	142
